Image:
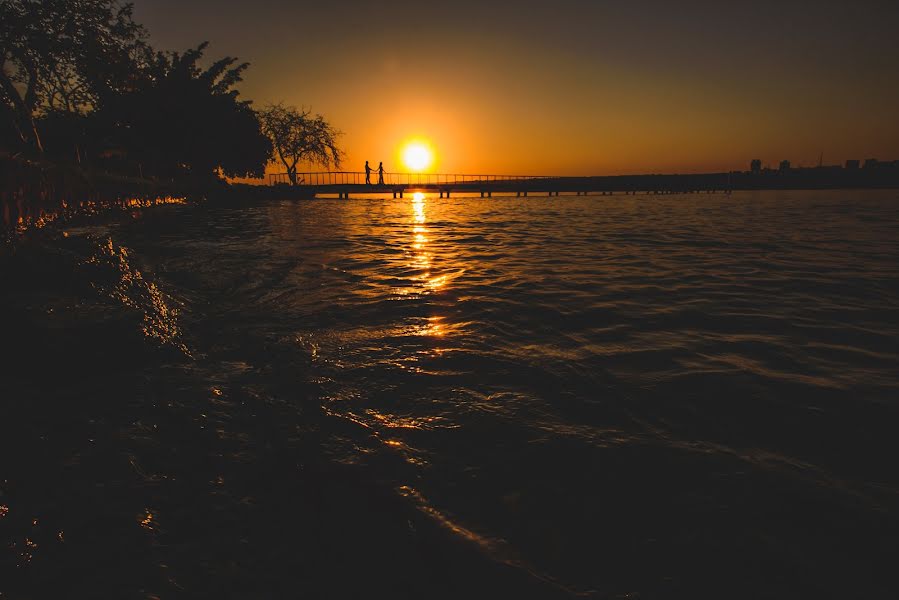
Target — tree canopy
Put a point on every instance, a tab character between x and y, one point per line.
63	55
183	119
80	82
297	136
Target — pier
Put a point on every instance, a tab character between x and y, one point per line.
344	183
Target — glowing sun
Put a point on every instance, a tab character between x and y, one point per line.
417	156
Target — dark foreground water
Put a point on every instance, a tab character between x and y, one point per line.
611	397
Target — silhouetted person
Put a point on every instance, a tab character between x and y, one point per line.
367	174
380	173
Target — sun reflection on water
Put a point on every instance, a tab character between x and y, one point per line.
413	262
422	257
418	206
434	327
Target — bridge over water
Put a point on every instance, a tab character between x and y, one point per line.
344	183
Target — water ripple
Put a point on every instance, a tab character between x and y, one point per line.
553	372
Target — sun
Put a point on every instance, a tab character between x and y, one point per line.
417	156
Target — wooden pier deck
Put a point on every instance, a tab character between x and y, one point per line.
345	183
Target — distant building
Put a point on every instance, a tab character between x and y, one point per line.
852	164
873	163
756	165
784	165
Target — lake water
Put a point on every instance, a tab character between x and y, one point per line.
626	396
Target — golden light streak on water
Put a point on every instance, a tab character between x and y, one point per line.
42	217
425	507
146	520
160	317
422	256
434	327
418	206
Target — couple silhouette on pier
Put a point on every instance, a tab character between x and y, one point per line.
368	171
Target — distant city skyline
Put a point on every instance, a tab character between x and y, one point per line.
569	87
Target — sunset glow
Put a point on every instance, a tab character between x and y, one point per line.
449	300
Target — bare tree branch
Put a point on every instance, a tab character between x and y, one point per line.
297	136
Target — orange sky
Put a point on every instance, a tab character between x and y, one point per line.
573	87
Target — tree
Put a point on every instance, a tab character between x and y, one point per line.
184	120
297	136
63	55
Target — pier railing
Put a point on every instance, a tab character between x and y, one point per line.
344	183
394	179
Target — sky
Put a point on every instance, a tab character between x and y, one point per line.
567	87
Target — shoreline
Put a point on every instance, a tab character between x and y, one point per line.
36	193
149	472
175	442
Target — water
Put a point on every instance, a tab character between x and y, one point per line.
628	396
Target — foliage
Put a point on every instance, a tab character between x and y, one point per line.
63	56
79	83
187	120
297	136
